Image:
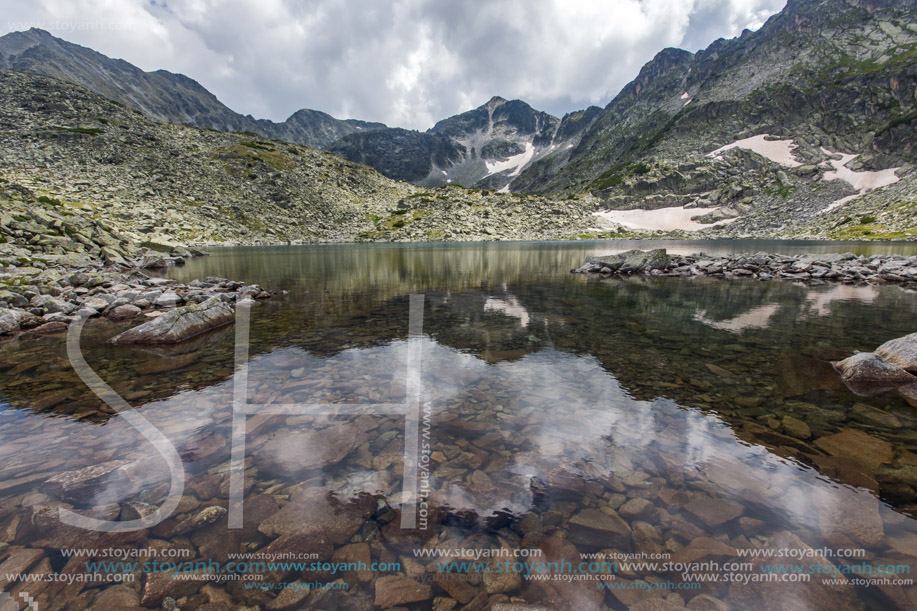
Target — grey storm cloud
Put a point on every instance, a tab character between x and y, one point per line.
407	63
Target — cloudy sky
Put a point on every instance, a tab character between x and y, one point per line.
406	63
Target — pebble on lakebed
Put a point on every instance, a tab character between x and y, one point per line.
813	268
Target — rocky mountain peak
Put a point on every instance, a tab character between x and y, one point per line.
494	102
667	62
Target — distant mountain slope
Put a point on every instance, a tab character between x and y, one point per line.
71	149
485	147
828	77
161	95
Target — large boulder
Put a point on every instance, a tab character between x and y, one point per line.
52	305
179	324
901	352
13	321
869	374
8	323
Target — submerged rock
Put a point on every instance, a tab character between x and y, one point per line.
179	324
857	447
315	508
293	453
394	591
714	512
869	374
593	528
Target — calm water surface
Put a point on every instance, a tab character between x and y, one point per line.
526	419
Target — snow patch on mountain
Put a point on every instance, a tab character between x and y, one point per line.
660	219
778	151
515	163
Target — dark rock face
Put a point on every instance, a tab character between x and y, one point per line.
179	324
314	128
399	153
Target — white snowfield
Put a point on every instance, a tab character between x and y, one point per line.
661	219
861	181
778	151
781	151
515	163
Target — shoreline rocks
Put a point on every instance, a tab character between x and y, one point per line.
57	293
179	324
811	268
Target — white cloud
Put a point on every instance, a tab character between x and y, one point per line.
406	63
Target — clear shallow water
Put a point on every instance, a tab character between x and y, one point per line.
566	415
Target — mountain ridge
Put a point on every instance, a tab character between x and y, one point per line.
447	152
160	94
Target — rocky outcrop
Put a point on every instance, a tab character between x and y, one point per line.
399	153
632	261
180	324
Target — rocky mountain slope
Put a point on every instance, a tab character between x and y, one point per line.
487	146
71	151
833	81
161	95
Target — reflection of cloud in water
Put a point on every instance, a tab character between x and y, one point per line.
818	301
756	318
600	431
549	412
